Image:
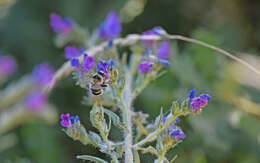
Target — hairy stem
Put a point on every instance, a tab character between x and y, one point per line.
152	135
104	137
127	97
126	102
162	155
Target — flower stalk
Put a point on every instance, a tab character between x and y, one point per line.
131	39
153	135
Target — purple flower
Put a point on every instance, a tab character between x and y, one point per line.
7	65
75	62
197	103
61	25
145	66
72	52
164	50
88	62
110	27
69	121
177	134
42	74
192	93
106	67
164	119
65	120
36	100
149	43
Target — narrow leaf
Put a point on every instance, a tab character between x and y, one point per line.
91	158
174	158
115	119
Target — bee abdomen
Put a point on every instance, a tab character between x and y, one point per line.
97	93
104	85
96	90
102	74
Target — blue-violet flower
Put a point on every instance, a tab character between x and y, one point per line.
149	43
110	27
61	25
106	67
36	100
7	65
88	62
164	50
42	74
74	120
75	62
145	66
72	52
192	93
197	103
177	134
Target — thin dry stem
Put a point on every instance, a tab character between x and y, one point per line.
66	69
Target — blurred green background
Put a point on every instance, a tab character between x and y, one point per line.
227	131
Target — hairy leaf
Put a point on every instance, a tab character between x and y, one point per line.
115	119
91	158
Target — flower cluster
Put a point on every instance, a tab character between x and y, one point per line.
88	62
197	103
73	52
7	65
97	74
106	67
69	121
110	27
163	52
175	132
61	25
178	134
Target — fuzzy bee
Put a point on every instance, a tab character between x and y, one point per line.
99	82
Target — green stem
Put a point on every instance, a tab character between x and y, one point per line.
126	101
152	135
104	137
138	90
125	98
162	155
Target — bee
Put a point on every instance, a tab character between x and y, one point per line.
99	82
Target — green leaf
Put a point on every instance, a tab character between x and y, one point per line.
95	138
115	119
91	158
